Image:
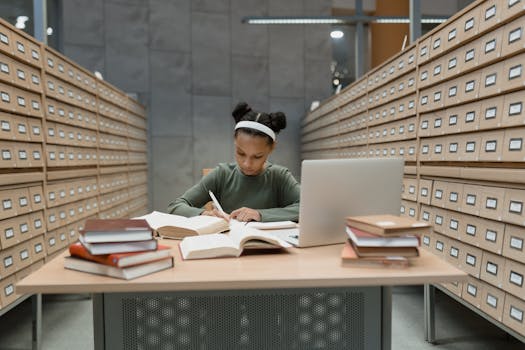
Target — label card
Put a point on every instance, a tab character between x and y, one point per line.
516	243
454	224
490	12
471	199
516	278
471	230
469	86
452	63
515	108
454	252
490	113
515	144
490	80
472	290
452	91
492	300
452	34
515	207
470	146
471	260
491	203
490	146
438	194
439	246
469	24
490	45
516	314
469	55
492	268
515	35
491	235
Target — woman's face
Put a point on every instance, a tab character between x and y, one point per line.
251	153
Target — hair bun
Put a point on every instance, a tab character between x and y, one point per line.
240	110
277	121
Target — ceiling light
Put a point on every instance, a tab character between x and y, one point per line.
337	34
49	31
292	20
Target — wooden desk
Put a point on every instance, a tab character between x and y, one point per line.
248	283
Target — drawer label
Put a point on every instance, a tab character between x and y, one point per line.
515	35
492	300
471	199
471	260
490	113
23	201
469	55
470	85
453	148
515	72
516	207
490	45
452	91
8	261
38	223
471	230
491	235
439	220
426	240
516	313
24	254
469	24
424	192
7	203
38	248
439	246
491	146
452	62
492	268
452	34
516	278
472	290
490	80
515	144
515	108
453	224
516	243
453	196
438	194
490	12
491	203
24	228
454	252
9	232
470	146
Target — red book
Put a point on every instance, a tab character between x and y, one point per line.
120	259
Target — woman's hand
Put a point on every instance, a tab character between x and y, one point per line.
245	214
216	213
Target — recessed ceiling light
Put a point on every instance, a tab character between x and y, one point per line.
337	34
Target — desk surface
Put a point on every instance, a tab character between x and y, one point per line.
296	268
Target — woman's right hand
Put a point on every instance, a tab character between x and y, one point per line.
216	213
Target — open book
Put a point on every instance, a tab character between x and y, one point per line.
239	238
176	226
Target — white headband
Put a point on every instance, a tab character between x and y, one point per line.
257	126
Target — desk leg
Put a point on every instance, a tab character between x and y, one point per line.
36	312
429	297
98	321
386	323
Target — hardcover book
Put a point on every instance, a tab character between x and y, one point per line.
118	247
350	258
387	225
365	239
126	273
120	259
115	230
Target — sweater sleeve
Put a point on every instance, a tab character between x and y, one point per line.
289	197
192	201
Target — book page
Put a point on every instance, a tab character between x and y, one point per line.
157	219
201	223
240	234
207	246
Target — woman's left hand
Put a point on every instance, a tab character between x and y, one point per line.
245	214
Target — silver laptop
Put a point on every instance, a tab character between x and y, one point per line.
332	189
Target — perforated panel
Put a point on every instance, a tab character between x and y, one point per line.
243	320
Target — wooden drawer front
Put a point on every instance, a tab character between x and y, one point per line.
513	245
514	313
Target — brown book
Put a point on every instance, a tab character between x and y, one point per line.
116	230
350	258
407	252
387	225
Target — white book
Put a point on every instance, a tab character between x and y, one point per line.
177	226
239	238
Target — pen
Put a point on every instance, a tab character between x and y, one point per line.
216	203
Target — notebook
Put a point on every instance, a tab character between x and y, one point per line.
332	189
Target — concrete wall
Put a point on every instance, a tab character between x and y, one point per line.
190	62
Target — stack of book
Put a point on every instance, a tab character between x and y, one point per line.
382	240
121	248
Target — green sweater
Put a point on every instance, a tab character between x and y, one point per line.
274	193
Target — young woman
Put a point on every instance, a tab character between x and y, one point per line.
251	189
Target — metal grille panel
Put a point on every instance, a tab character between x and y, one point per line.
292	319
